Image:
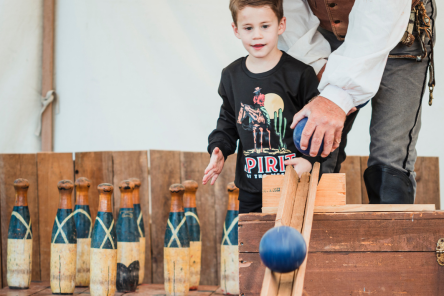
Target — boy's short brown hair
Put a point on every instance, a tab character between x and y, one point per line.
275	5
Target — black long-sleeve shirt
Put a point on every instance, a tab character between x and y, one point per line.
257	109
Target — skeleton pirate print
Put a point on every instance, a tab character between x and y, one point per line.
265	121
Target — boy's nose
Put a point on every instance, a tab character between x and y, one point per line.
257	34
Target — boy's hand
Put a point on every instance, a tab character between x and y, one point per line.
301	165
215	167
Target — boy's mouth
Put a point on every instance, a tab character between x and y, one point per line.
258	46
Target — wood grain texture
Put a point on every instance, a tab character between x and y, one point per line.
364	160
134	164
427	178
193	165
344	273
48	71
221	204
331	190
51	168
98	168
271	190
351	167
298	284
14	166
360	234
365	208
164	171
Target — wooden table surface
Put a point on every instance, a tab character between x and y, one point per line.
43	288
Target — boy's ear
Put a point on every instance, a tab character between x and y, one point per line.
235	30
282	25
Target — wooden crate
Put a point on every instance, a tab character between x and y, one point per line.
367	253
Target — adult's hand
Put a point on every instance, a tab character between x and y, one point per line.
325	121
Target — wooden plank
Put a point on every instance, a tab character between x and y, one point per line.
375	208
51	168
352	169
98	168
33	288
134	164
344	273
297	220
14	166
427	179
221	203
271	190
364	160
270	284
331	190
164	171
299	277
360	235
48	71
193	165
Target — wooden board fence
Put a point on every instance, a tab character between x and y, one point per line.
156	170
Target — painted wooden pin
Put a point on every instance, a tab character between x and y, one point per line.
176	249
193	225
19	263
82	218
229	267
140	226
64	244
127	241
104	247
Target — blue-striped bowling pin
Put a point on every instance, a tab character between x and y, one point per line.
19	263
127	241
82	218
140	226
176	249
64	244
104	246
193	225
229	264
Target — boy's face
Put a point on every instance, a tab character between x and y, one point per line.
259	29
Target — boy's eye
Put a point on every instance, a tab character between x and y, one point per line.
265	26
248	28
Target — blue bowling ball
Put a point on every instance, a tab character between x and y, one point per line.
297	134
282	249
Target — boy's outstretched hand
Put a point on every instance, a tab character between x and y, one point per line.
215	167
301	165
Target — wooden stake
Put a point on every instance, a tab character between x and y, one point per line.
48	71
298	284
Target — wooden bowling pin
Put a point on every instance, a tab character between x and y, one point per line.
19	262
176	249
64	244
193	225
82	218
104	247
140	226
127	241
229	266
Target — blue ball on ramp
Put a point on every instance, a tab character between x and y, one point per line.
282	249
297	134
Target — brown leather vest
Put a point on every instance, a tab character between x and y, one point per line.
333	14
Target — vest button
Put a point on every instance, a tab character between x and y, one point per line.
337	21
332	4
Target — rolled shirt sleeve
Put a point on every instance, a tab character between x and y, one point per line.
354	71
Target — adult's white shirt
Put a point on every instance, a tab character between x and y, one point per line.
354	71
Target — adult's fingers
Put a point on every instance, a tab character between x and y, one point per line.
309	128
208	177
298	117
337	140
210	167
329	138
316	141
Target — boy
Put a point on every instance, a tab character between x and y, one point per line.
260	93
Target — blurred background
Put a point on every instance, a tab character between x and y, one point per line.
139	75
